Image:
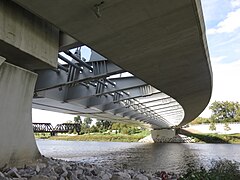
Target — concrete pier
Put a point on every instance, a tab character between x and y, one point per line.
163	135
17	142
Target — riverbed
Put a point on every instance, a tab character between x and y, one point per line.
170	157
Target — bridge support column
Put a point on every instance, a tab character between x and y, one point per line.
163	135
17	142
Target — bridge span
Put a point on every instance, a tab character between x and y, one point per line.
59	128
161	45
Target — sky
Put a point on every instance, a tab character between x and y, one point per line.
222	20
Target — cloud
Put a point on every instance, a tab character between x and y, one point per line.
225	83
214	12
228	25
235	3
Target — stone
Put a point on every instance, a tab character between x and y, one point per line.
81	176
13	173
120	176
94	172
106	176
37	169
58	169
65	172
42	165
140	177
72	176
1	175
92	178
87	172
79	171
40	177
53	177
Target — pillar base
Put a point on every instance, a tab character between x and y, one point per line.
164	135
17	142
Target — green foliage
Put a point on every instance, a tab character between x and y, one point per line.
226	127
87	122
103	137
103	124
212	126
217	138
77	119
93	129
225	111
74	131
200	120
221	169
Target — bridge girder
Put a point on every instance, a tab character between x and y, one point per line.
89	85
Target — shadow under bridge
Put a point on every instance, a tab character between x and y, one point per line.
103	90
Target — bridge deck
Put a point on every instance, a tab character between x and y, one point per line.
161	42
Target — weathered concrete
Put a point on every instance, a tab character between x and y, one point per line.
25	39
17	142
163	135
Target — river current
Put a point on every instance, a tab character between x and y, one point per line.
170	157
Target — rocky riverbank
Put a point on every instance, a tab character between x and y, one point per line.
52	169
177	139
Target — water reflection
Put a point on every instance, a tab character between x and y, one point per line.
151	157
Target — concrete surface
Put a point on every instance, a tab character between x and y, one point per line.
17	143
160	42
163	135
25	39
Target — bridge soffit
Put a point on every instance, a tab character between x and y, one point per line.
90	84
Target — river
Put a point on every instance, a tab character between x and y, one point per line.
170	157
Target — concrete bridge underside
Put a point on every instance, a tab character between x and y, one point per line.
161	43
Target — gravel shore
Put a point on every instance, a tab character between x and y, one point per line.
54	169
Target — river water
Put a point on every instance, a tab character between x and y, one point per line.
170	157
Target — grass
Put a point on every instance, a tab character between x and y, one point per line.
99	137
213	138
42	135
220	169
217	138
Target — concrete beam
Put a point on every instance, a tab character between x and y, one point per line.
66	42
25	39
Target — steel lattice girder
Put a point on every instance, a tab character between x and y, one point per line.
68	94
48	79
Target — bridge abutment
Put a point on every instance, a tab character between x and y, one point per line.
17	142
163	135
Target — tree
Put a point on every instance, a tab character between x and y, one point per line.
237	117
226	127
77	119
200	120
223	111
212	126
93	129
87	122
103	124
